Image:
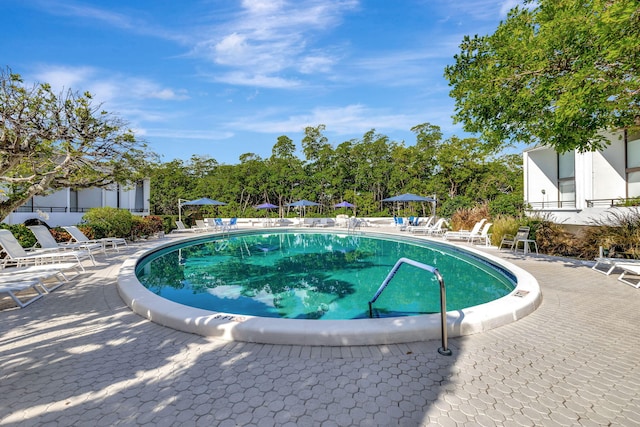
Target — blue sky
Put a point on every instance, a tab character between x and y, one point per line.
221	78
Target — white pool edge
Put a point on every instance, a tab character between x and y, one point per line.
522	301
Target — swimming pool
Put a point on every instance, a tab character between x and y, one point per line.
517	303
312	275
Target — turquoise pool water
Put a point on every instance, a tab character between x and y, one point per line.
310	275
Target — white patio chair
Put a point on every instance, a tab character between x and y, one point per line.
46	241
465	234
17	285
79	236
17	255
483	235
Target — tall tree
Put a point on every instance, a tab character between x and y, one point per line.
49	142
555	72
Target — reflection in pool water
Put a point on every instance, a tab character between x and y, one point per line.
317	276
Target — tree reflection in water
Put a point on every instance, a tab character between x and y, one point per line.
309	275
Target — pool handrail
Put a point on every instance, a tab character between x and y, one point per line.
443	296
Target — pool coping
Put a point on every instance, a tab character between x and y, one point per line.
522	301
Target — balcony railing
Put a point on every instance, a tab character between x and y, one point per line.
590	203
553	204
609	203
63	209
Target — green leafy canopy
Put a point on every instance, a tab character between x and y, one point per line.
555	72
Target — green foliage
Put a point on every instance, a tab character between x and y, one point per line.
51	141
503	225
635	201
556	73
450	206
507	204
109	222
460	172
146	226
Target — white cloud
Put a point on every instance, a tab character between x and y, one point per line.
344	120
190	134
268	39
255	80
507	5
105	86
64	78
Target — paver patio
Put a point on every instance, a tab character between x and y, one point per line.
79	356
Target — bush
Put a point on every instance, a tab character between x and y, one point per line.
553	239
108	222
618	233
503	224
146	226
466	218
60	234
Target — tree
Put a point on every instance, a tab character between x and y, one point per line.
555	74
49	142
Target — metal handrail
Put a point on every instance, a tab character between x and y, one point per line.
443	296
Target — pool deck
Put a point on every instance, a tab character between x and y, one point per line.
80	356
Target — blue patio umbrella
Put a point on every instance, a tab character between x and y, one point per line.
266	206
302	204
198	202
344	205
203	201
410	197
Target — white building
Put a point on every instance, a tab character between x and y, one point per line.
66	207
574	188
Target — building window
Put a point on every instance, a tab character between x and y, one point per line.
567	179
633	164
139	197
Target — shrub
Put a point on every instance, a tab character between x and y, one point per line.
146	226
503	224
618	233
108	222
60	234
465	218
553	239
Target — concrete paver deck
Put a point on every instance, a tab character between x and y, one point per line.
79	356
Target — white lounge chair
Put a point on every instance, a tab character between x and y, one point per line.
58	269
40	273
425	225
435	230
21	285
201	225
46	241
483	235
309	222
183	228
629	269
465	234
79	236
611	264
16	254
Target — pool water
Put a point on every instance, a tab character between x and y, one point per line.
309	275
